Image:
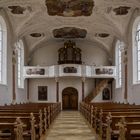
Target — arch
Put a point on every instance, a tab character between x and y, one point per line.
94	43
3	23
70	98
106	94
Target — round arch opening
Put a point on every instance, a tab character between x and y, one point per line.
70	99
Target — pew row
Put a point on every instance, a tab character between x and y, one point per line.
106	119
34	120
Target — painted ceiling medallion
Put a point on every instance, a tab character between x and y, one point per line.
17	9
122	10
69	32
69	8
103	35
36	34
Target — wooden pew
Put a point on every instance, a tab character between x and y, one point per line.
128	130
43	120
28	121
11	127
102	120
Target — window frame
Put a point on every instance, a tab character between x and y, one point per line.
3	56
118	60
137	40
1	47
20	63
136	50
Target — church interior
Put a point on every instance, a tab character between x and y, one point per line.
70	69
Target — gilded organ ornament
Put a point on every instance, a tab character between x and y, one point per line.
69	54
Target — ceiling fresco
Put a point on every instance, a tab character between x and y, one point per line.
70	8
69	32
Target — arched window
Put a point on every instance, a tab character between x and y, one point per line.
136	51
20	63
3	51
119	47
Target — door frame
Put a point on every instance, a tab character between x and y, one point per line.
66	91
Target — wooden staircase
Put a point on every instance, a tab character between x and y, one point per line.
96	91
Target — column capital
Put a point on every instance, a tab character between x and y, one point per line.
83	79
125	59
14	58
56	79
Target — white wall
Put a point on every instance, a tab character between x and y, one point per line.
118	95
6	90
33	89
48	55
99	98
133	89
63	83
76	83
118	92
93	55
21	94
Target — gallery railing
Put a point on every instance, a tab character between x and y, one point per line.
69	70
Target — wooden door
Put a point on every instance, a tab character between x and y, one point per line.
70	99
65	101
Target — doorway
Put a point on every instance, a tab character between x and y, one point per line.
70	99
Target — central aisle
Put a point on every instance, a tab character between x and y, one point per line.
70	125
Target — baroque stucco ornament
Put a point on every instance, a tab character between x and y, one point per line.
35	19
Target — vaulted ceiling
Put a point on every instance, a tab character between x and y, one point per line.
103	20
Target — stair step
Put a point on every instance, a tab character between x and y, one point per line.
97	90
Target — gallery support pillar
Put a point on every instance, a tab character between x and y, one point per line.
13	76
28	90
125	70
57	89
83	88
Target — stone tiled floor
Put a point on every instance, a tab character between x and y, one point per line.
70	125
